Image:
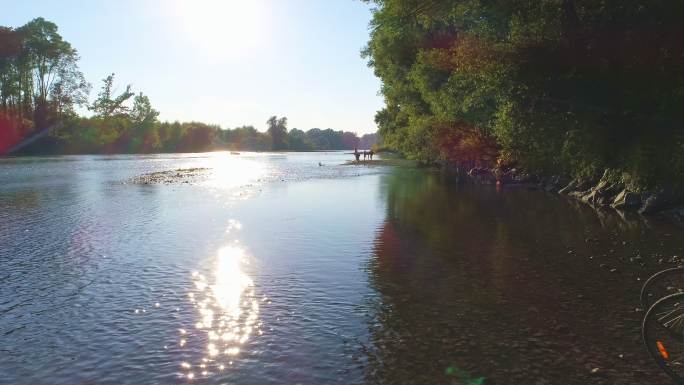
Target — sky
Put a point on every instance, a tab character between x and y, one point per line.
226	62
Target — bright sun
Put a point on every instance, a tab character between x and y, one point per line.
224	28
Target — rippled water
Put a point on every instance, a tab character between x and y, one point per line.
269	268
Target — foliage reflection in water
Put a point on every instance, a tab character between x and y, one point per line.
228	311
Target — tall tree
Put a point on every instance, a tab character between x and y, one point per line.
39	75
277	129
142	113
144	118
106	104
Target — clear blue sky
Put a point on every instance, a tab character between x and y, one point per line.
227	62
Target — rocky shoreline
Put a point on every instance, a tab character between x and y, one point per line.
605	192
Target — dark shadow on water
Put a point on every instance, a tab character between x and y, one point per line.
513	286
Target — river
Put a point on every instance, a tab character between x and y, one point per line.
295	268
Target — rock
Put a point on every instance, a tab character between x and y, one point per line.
595	197
585	184
483	175
602	194
568	188
655	201
626	200
576	194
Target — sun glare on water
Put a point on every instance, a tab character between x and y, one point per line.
234	171
223	28
228	312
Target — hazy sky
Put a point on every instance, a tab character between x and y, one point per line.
225	61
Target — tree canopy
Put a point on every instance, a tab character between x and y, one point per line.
554	86
39	76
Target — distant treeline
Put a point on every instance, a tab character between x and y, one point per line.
41	86
277	137
570	87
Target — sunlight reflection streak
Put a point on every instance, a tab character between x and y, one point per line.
227	306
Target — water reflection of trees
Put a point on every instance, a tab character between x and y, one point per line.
474	283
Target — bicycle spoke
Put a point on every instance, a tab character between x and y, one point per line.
663	333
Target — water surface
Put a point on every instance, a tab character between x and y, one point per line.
273	269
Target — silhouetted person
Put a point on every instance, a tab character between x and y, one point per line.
364	155
370	154
357	154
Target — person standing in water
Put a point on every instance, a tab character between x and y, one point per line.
370	154
357	154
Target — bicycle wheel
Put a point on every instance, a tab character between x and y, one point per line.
661	284
663	334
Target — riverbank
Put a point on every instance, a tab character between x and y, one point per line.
609	191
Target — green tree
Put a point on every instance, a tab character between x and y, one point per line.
142	113
277	129
145	124
39	75
298	141
106	104
556	86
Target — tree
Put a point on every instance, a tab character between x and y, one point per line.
39	75
45	50
142	113
559	87
298	140
70	89
107	105
10	49
277	129
367	141
350	140
144	118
